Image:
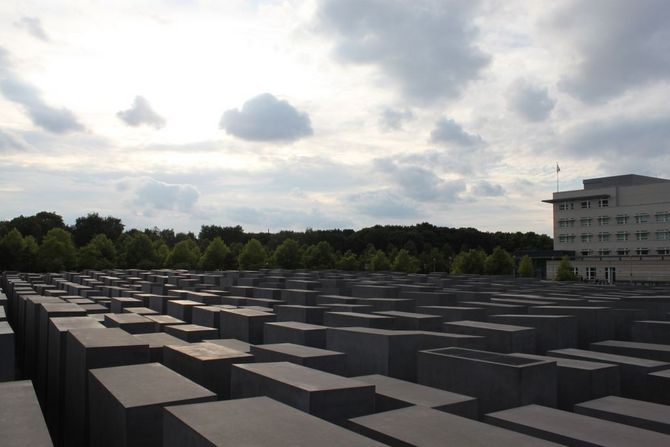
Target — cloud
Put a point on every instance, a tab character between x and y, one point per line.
644	140
529	101
617	45
450	132
55	120
419	183
266	118
485	188
33	25
382	204
393	119
426	47
141	113
156	195
11	141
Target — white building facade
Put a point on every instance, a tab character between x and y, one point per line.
618	227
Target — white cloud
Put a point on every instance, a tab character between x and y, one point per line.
141	113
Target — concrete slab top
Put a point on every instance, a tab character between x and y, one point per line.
164	319
297	325
426	427
411	392
21	421
231	343
66	323
5	328
261	421
490	326
633	345
610	358
360	315
569	363
193	328
397	313
209	351
159	339
302	377
572	426
127	318
104	338
664	373
247	312
296	350
148	384
630	407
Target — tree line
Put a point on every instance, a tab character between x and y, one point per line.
43	242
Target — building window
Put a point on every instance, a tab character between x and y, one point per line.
566	223
586	204
622	236
586	237
641	235
622	251
641	218
604	252
603	203
663	216
641	251
663	250
590	273
575	271
622	219
563	206
586	252
603	220
585	221
603	237
663	235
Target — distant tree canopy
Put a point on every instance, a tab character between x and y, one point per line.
102	242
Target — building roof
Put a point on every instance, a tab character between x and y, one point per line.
621	180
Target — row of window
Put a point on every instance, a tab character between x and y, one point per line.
624	251
621	219
585	204
663	235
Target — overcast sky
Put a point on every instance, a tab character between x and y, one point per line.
326	113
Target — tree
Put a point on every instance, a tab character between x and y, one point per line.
403	262
564	271
348	261
288	255
215	255
86	228
57	252
526	268
29	257
138	251
37	225
252	256
11	250
469	262
319	257
184	255
98	254
380	262
499	263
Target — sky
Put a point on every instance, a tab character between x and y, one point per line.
295	114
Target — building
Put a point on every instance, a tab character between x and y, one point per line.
618	228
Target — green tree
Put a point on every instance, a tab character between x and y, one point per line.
86	228
288	255
500	262
184	255
319	257
57	252
138	251
526	268
252	256
12	246
29	257
98	254
215	255
404	262
348	261
380	262
162	252
469	262
564	271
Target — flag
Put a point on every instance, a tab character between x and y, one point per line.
558	168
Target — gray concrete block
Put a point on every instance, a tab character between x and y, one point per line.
425	427
551	331
497	380
504	338
355	319
574	429
650	331
321	394
257	421
455	313
653	351
300	313
413	321
207	364
244	324
7	352
638	413
294	332
21	421
192	333
392	394
126	403
658	387
129	322
157	341
315	358
593	323
182	309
